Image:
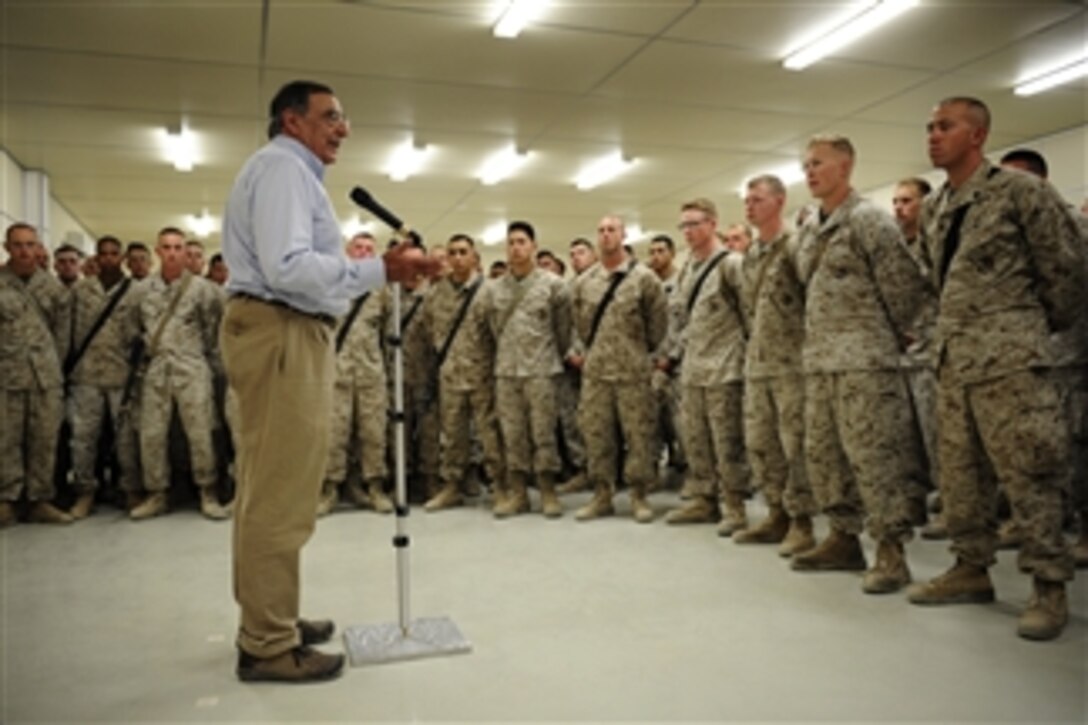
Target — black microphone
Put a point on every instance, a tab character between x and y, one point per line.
363	198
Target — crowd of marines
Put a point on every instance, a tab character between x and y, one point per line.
862	365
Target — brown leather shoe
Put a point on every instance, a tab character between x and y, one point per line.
315	631
299	665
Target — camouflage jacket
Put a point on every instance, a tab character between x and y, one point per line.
632	327
362	357
709	333
189	342
865	296
470	358
1017	276
533	332
419	356
35	330
105	362
775	301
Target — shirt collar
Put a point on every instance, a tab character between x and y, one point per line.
295	147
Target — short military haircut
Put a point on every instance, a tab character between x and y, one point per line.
295	96
216	259
771	181
979	111
195	243
835	141
462	238
136	247
664	239
582	242
107	239
171	230
68	248
497	264
1031	159
520	226
561	264
543	253
702	204
17	226
922	186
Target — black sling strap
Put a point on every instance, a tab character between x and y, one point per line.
407	319
74	357
714	262
598	315
952	239
469	294
342	335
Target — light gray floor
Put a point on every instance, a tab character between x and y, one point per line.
113	621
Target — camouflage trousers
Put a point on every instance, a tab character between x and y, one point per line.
713	427
569	385
1016	427
855	426
192	395
90	405
359	410
1072	382
923	393
669	438
421	433
465	412
617	419
774	434
526	409
29	424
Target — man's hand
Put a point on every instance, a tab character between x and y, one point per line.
407	262
576	361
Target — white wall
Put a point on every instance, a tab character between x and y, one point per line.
55	223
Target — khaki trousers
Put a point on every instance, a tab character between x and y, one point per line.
280	366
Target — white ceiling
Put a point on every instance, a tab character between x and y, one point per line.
694	90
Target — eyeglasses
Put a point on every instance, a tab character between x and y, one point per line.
332	117
689	223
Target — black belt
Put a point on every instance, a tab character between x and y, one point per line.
319	316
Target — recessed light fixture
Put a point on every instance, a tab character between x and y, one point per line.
202	226
868	17
355	225
502	165
788	174
1055	75
603	170
180	147
407	159
516	16
494	234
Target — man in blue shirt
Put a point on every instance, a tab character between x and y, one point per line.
289	281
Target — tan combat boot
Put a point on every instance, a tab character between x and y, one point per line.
574	484
1047	612
1009	535
328	499
516	500
1080	549
962	584
153	505
772	530
890	572
132	500
598	506
44	512
379	501
838	552
83	506
448	496
641	510
799	538
549	501
7	514
734	516
698	510
210	506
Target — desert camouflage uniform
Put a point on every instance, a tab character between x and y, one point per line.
864	295
466	379
361	395
666	386
178	372
97	384
616	394
1018	275
774	397
710	343
530	336
569	393
35	324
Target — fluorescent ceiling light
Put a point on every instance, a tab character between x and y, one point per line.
203	225
494	234
406	160
869	17
180	147
603	170
788	174
1055	76
355	225
516	16
634	233
501	165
